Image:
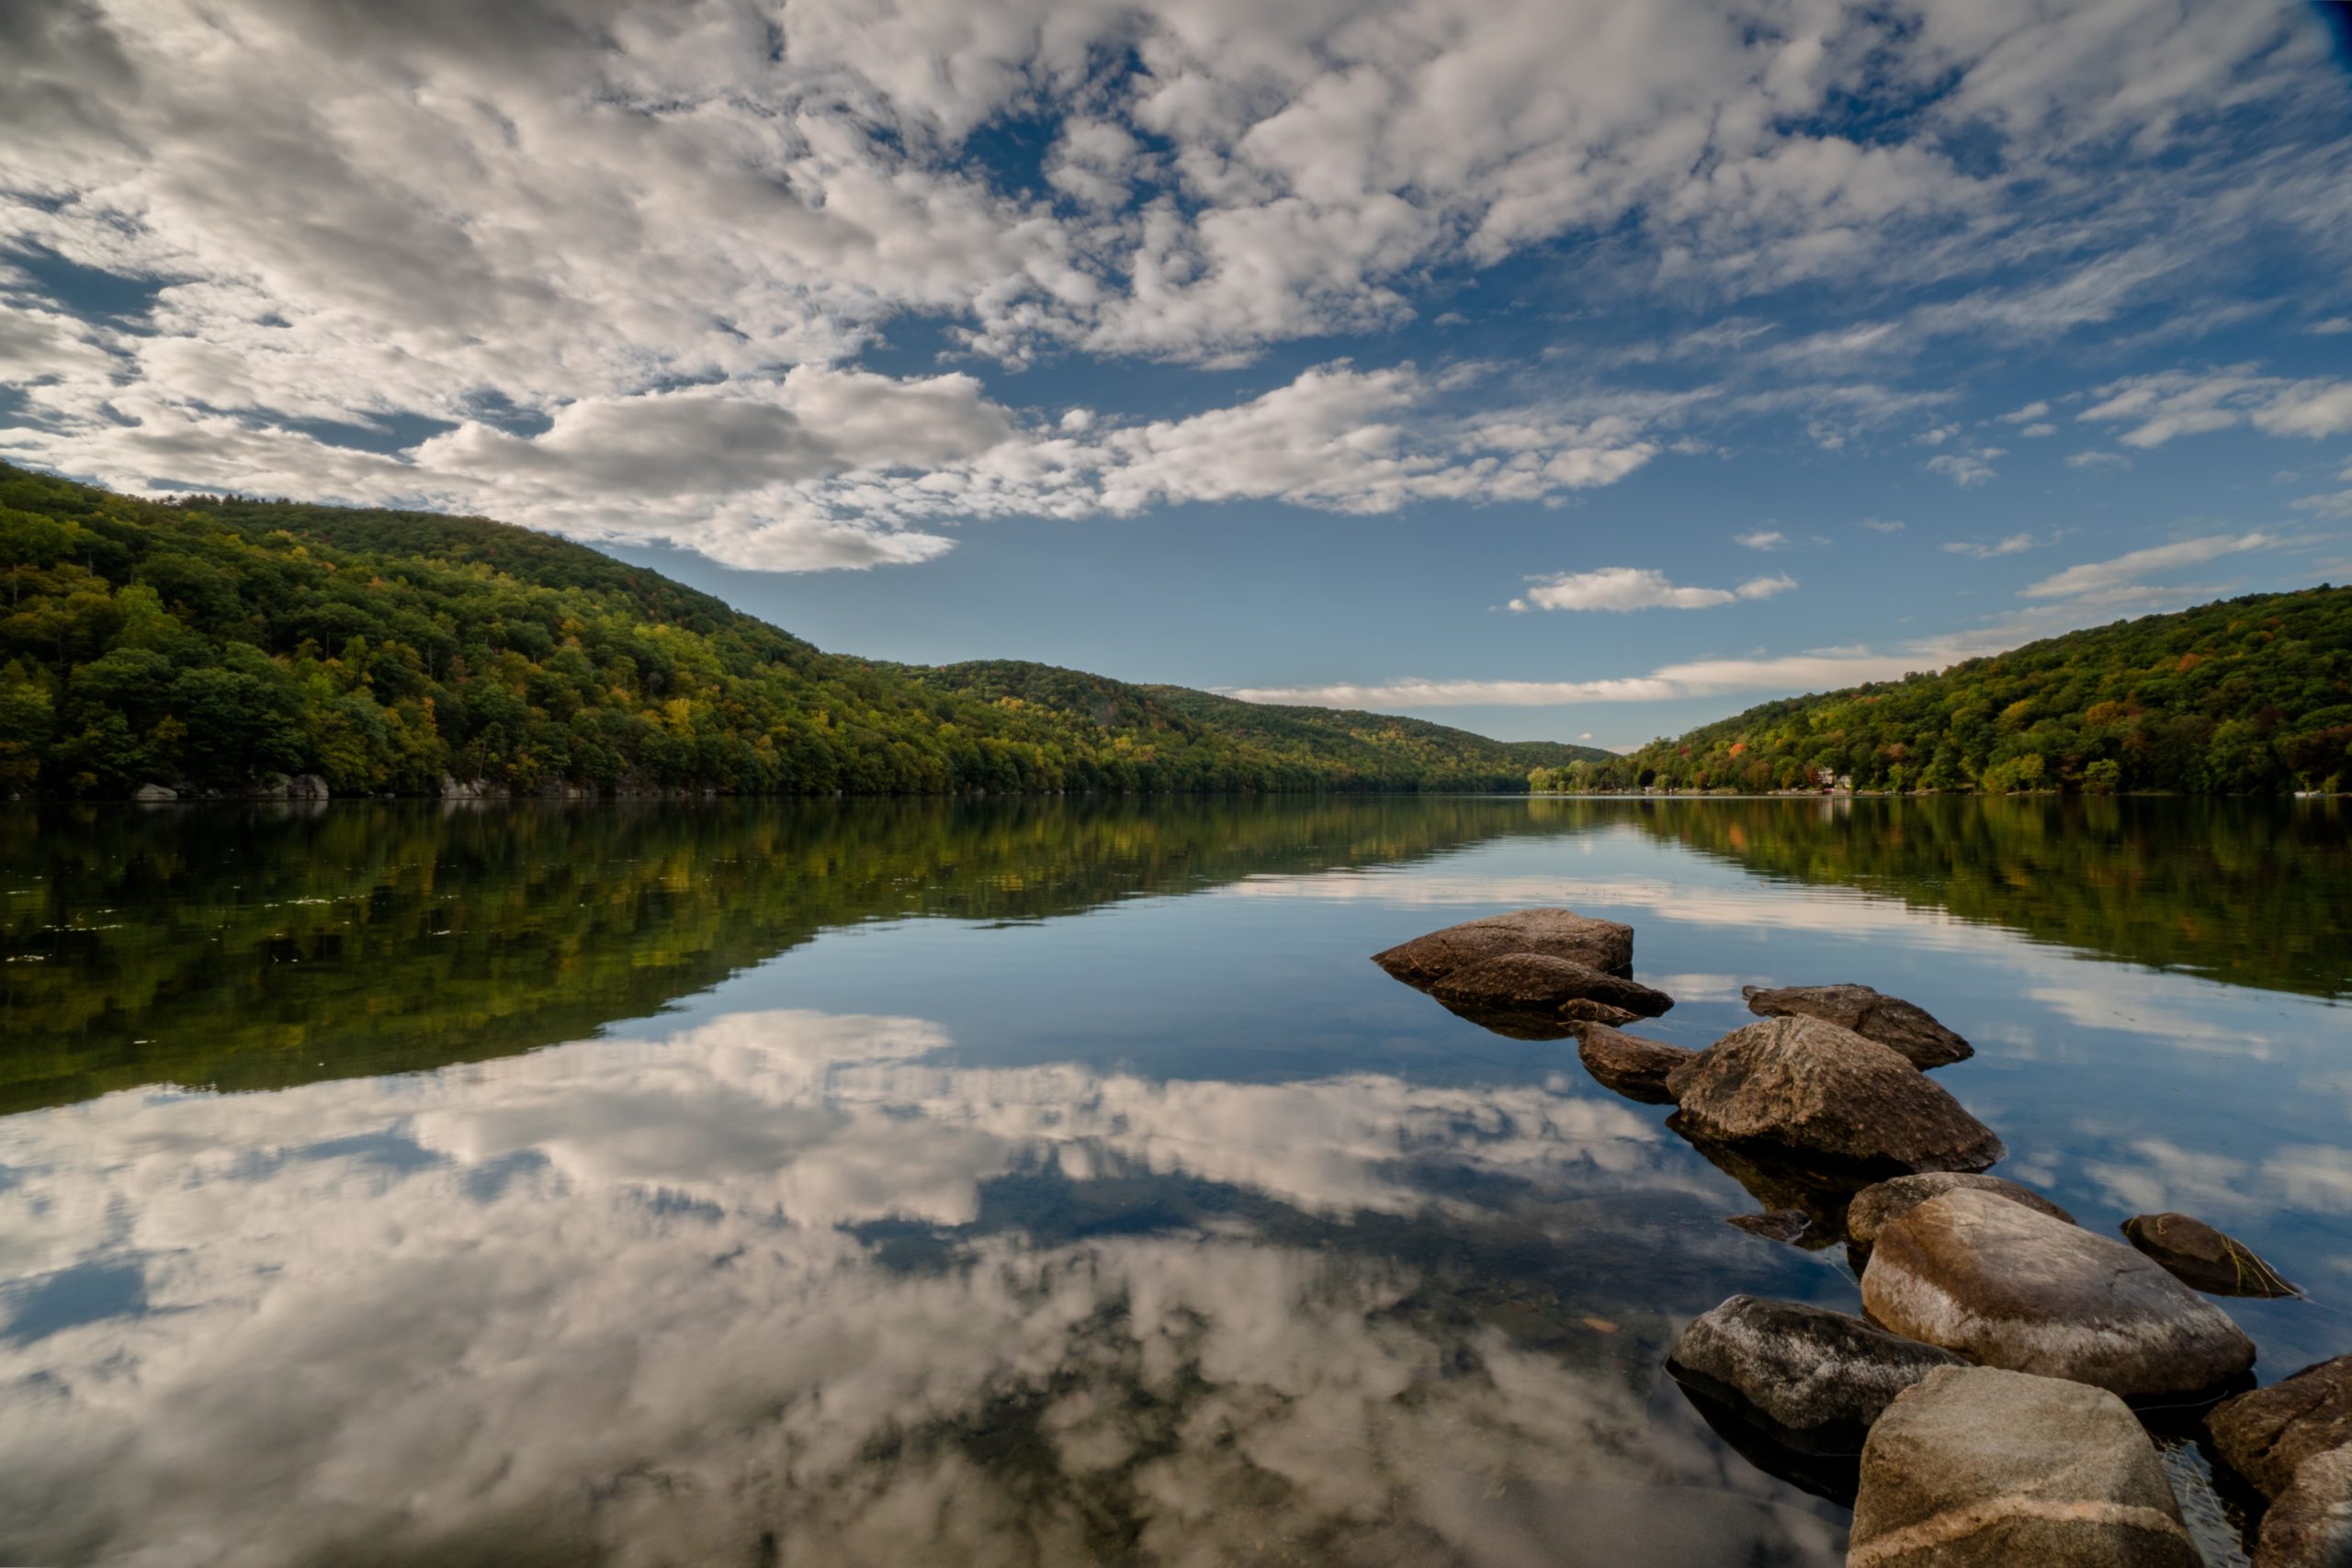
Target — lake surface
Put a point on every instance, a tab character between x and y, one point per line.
1036	1182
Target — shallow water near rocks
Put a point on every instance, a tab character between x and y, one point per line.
1029	1182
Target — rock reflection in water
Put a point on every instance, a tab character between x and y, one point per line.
780	1289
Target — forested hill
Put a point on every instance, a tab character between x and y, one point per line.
1367	745
213	645
2249	695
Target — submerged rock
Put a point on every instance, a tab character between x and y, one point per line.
2266	1435
1785	1183
1895	1023
1876	1204
1558	934
1831	1475
2008	1286
1816	1379
1585	1010
2310	1524
1633	1066
1975	1467
1801	1084
1790	1226
1538	982
2196	1253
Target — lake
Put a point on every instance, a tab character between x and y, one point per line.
1036	1181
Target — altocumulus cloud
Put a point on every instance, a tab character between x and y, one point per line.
612	268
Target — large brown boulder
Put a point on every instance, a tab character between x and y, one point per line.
1978	1468
1633	1066
2268	1433
1874	1205
1559	933
1538	982
1802	1085
2310	1524
1813	1378
2196	1253
1895	1023
2007	1286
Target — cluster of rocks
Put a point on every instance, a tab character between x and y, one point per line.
1980	1410
270	787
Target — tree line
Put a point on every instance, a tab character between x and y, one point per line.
2244	696
211	643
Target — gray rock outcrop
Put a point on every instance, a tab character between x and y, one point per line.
1558	934
1633	1066
1814	1088
1975	1467
1899	1025
1585	1010
1876	1204
153	793
2195	1254
2310	1524
1817	1379
2007	1286
2266	1435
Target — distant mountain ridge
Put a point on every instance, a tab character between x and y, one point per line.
238	646
2242	697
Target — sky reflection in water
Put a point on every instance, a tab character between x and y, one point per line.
1172	1230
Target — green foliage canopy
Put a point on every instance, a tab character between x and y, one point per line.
216	642
2244	696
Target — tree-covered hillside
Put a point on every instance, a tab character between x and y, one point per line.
1359	750
207	645
2249	695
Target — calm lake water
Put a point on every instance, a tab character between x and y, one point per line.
1034	1182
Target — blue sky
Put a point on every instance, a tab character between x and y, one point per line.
1553	369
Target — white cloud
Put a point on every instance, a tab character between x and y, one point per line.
2334	326
2172	403
2037	432
2096	578
1967	469
624	218
1637	588
1981	550
2028	414
2098	460
1881	524
1764	539
828	467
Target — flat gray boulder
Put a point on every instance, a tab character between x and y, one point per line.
1874	1205
1802	1085
2195	1254
2268	1433
1558	934
1974	1467
1895	1023
1538	982
1816	1379
1633	1066
2310	1524
2007	1286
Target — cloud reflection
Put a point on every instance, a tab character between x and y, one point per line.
611	1301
